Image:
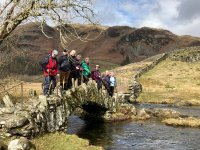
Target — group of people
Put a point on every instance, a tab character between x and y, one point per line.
73	71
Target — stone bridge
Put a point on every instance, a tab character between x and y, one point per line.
49	114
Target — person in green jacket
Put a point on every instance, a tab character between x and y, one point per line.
86	70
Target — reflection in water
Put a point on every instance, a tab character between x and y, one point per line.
150	135
97	133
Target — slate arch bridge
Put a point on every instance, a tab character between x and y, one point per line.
92	104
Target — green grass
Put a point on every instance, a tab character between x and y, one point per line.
61	141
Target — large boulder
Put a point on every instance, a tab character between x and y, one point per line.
141	115
6	110
123	112
20	144
7	101
16	121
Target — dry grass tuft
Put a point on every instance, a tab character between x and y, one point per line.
185	122
61	141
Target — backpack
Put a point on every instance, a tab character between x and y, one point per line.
44	62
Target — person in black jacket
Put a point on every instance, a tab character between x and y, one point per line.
72	60
65	69
78	71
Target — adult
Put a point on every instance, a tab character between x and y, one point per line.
106	81
79	69
113	84
72	59
96	75
64	67
50	68
86	70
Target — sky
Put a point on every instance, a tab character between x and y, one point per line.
182	17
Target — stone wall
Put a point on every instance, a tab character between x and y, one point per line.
189	54
34	117
135	88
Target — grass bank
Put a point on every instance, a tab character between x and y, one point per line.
61	141
172	82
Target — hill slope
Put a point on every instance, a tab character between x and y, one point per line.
107	46
175	80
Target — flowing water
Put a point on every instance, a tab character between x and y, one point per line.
148	135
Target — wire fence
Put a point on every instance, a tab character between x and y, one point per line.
21	91
24	90
16	92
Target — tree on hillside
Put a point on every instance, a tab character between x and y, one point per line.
57	12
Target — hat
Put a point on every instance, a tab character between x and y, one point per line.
97	66
65	50
55	52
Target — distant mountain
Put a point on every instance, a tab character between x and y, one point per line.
107	46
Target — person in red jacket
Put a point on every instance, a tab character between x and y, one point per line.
50	69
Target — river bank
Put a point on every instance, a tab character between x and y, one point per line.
49	141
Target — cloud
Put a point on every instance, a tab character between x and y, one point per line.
109	12
178	16
162	15
189	28
189	10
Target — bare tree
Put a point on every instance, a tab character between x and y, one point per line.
58	12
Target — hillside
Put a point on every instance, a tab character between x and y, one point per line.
175	80
108	46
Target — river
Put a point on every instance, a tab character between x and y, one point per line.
148	135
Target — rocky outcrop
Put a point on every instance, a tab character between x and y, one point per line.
123	112
191	54
126	112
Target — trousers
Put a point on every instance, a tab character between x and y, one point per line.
47	81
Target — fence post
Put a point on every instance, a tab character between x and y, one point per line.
22	94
